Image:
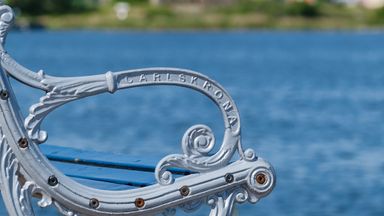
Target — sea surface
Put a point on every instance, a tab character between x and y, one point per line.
311	103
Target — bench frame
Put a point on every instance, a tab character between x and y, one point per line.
26	172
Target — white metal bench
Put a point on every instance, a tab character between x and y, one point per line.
67	178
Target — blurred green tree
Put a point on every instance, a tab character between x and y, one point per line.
302	8
39	7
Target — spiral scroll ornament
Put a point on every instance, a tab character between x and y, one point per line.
198	141
6	19
223	204
216	178
197	144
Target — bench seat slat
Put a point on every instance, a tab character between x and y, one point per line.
109	175
102	159
103	185
102	170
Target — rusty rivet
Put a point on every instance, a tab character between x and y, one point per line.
184	191
52	180
23	142
4	95
261	178
229	178
94	203
139	202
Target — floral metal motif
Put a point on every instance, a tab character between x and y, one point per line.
216	180
223	204
10	186
17	195
197	143
63	210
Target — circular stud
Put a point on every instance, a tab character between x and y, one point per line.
94	203
139	202
23	143
4	94
184	191
229	178
261	178
52	180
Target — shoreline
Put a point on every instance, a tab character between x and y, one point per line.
324	16
234	29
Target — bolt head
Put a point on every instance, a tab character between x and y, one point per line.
4	94
52	180
94	203
139	202
184	191
229	178
23	142
261	178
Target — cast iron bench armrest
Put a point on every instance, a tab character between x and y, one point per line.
28	169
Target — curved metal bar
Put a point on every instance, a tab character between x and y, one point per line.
25	170
13	68
195	158
67	89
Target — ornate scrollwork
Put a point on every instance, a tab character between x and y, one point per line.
169	212
64	210
17	196
216	180
198	141
29	188
10	186
6	19
192	206
222	204
62	91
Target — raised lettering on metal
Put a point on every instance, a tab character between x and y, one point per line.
25	171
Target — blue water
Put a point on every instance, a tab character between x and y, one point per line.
312	103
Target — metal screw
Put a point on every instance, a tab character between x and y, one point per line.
23	142
4	95
52	180
184	191
139	202
229	178
261	178
94	203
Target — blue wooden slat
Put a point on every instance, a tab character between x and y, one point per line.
102	159
103	185
106	175
104	170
